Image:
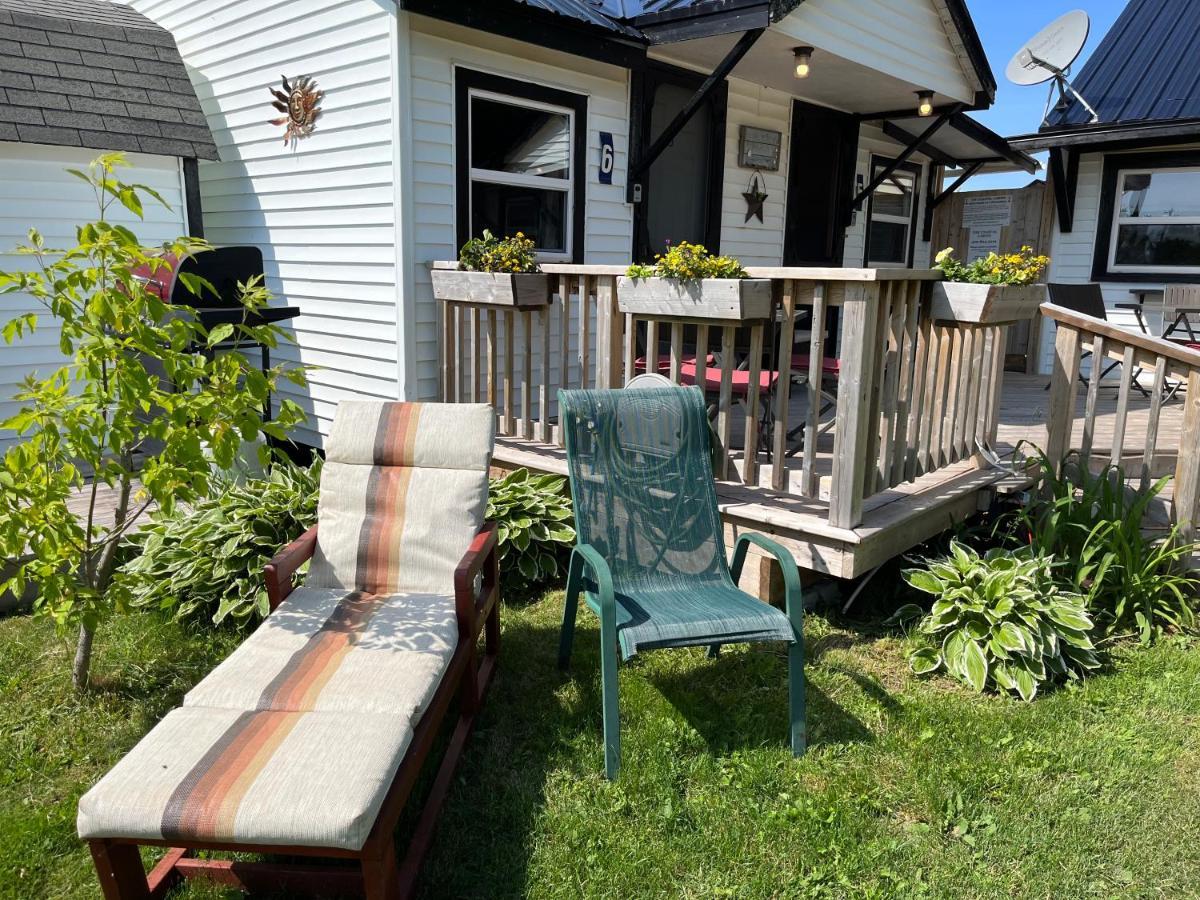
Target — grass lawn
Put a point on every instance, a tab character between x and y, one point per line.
910	789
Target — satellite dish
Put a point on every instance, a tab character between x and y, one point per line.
1048	56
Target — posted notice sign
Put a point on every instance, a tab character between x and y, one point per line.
982	242
987	212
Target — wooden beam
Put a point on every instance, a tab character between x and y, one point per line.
896	133
900	160
1064	176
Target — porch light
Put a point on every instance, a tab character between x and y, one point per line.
924	103
803	57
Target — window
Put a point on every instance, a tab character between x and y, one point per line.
1149	217
520	168
892	214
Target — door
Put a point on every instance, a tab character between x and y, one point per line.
824	153
681	194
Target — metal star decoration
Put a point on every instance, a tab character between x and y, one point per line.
301	101
755	198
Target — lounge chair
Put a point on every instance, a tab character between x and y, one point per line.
650	558
308	739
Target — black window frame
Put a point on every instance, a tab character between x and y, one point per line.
466	80
1114	164
917	171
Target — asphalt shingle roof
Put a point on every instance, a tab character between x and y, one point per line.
90	73
1146	68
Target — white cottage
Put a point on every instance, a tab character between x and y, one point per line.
78	77
602	129
1127	185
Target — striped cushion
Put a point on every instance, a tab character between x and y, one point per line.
328	650
277	778
402	494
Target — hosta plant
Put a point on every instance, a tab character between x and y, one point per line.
534	526
999	621
206	560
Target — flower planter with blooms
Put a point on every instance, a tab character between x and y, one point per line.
993	290
496	272
689	281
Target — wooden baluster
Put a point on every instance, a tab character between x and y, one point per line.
460	327
449	353
510	338
1122	414
491	357
564	343
725	402
809	482
1093	397
651	356
676	350
977	338
546	427
1061	404
527	381
586	285
996	382
609	333
784	389
918	416
631	328
941	371
890	401
955	404
1156	402
909	363
1187	466
702	356
476	369
750	443
850	464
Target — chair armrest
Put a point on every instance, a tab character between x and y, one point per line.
279	571
1127	306
587	556
793	590
473	606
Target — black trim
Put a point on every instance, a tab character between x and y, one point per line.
1064	176
643	82
965	25
965	125
464	80
1110	136
703	20
891	165
534	26
902	137
191	193
897	162
1113	163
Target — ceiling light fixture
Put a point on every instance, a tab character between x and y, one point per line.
924	103
803	57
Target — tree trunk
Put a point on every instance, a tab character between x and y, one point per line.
83	658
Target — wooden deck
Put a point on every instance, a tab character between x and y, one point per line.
896	519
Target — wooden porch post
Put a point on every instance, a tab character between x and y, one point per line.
1060	418
1187	467
610	334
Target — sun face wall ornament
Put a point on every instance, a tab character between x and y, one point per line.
301	101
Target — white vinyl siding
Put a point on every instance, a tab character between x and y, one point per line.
322	211
754	243
1071	255
37	192
436	50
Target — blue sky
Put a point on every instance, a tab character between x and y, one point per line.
1004	26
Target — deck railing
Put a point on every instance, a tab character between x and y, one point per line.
1167	371
908	395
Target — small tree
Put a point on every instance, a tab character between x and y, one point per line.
143	407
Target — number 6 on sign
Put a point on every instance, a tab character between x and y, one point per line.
607	157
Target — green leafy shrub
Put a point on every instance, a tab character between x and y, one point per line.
1130	581
688	262
1022	267
534	526
207	560
1001	621
492	254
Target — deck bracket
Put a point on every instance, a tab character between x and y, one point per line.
1064	175
936	201
894	164
710	84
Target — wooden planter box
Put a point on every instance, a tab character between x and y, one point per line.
986	304
491	288
726	299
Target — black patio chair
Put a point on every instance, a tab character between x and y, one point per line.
1088	300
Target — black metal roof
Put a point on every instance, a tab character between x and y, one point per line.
96	74
1147	67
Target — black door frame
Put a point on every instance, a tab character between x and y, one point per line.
645	79
843	178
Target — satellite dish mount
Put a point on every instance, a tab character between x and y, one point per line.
1048	56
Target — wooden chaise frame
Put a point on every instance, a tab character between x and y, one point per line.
378	875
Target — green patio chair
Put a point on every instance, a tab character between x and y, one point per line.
650	559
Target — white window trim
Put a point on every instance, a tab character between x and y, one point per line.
906	221
1118	221
515	179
